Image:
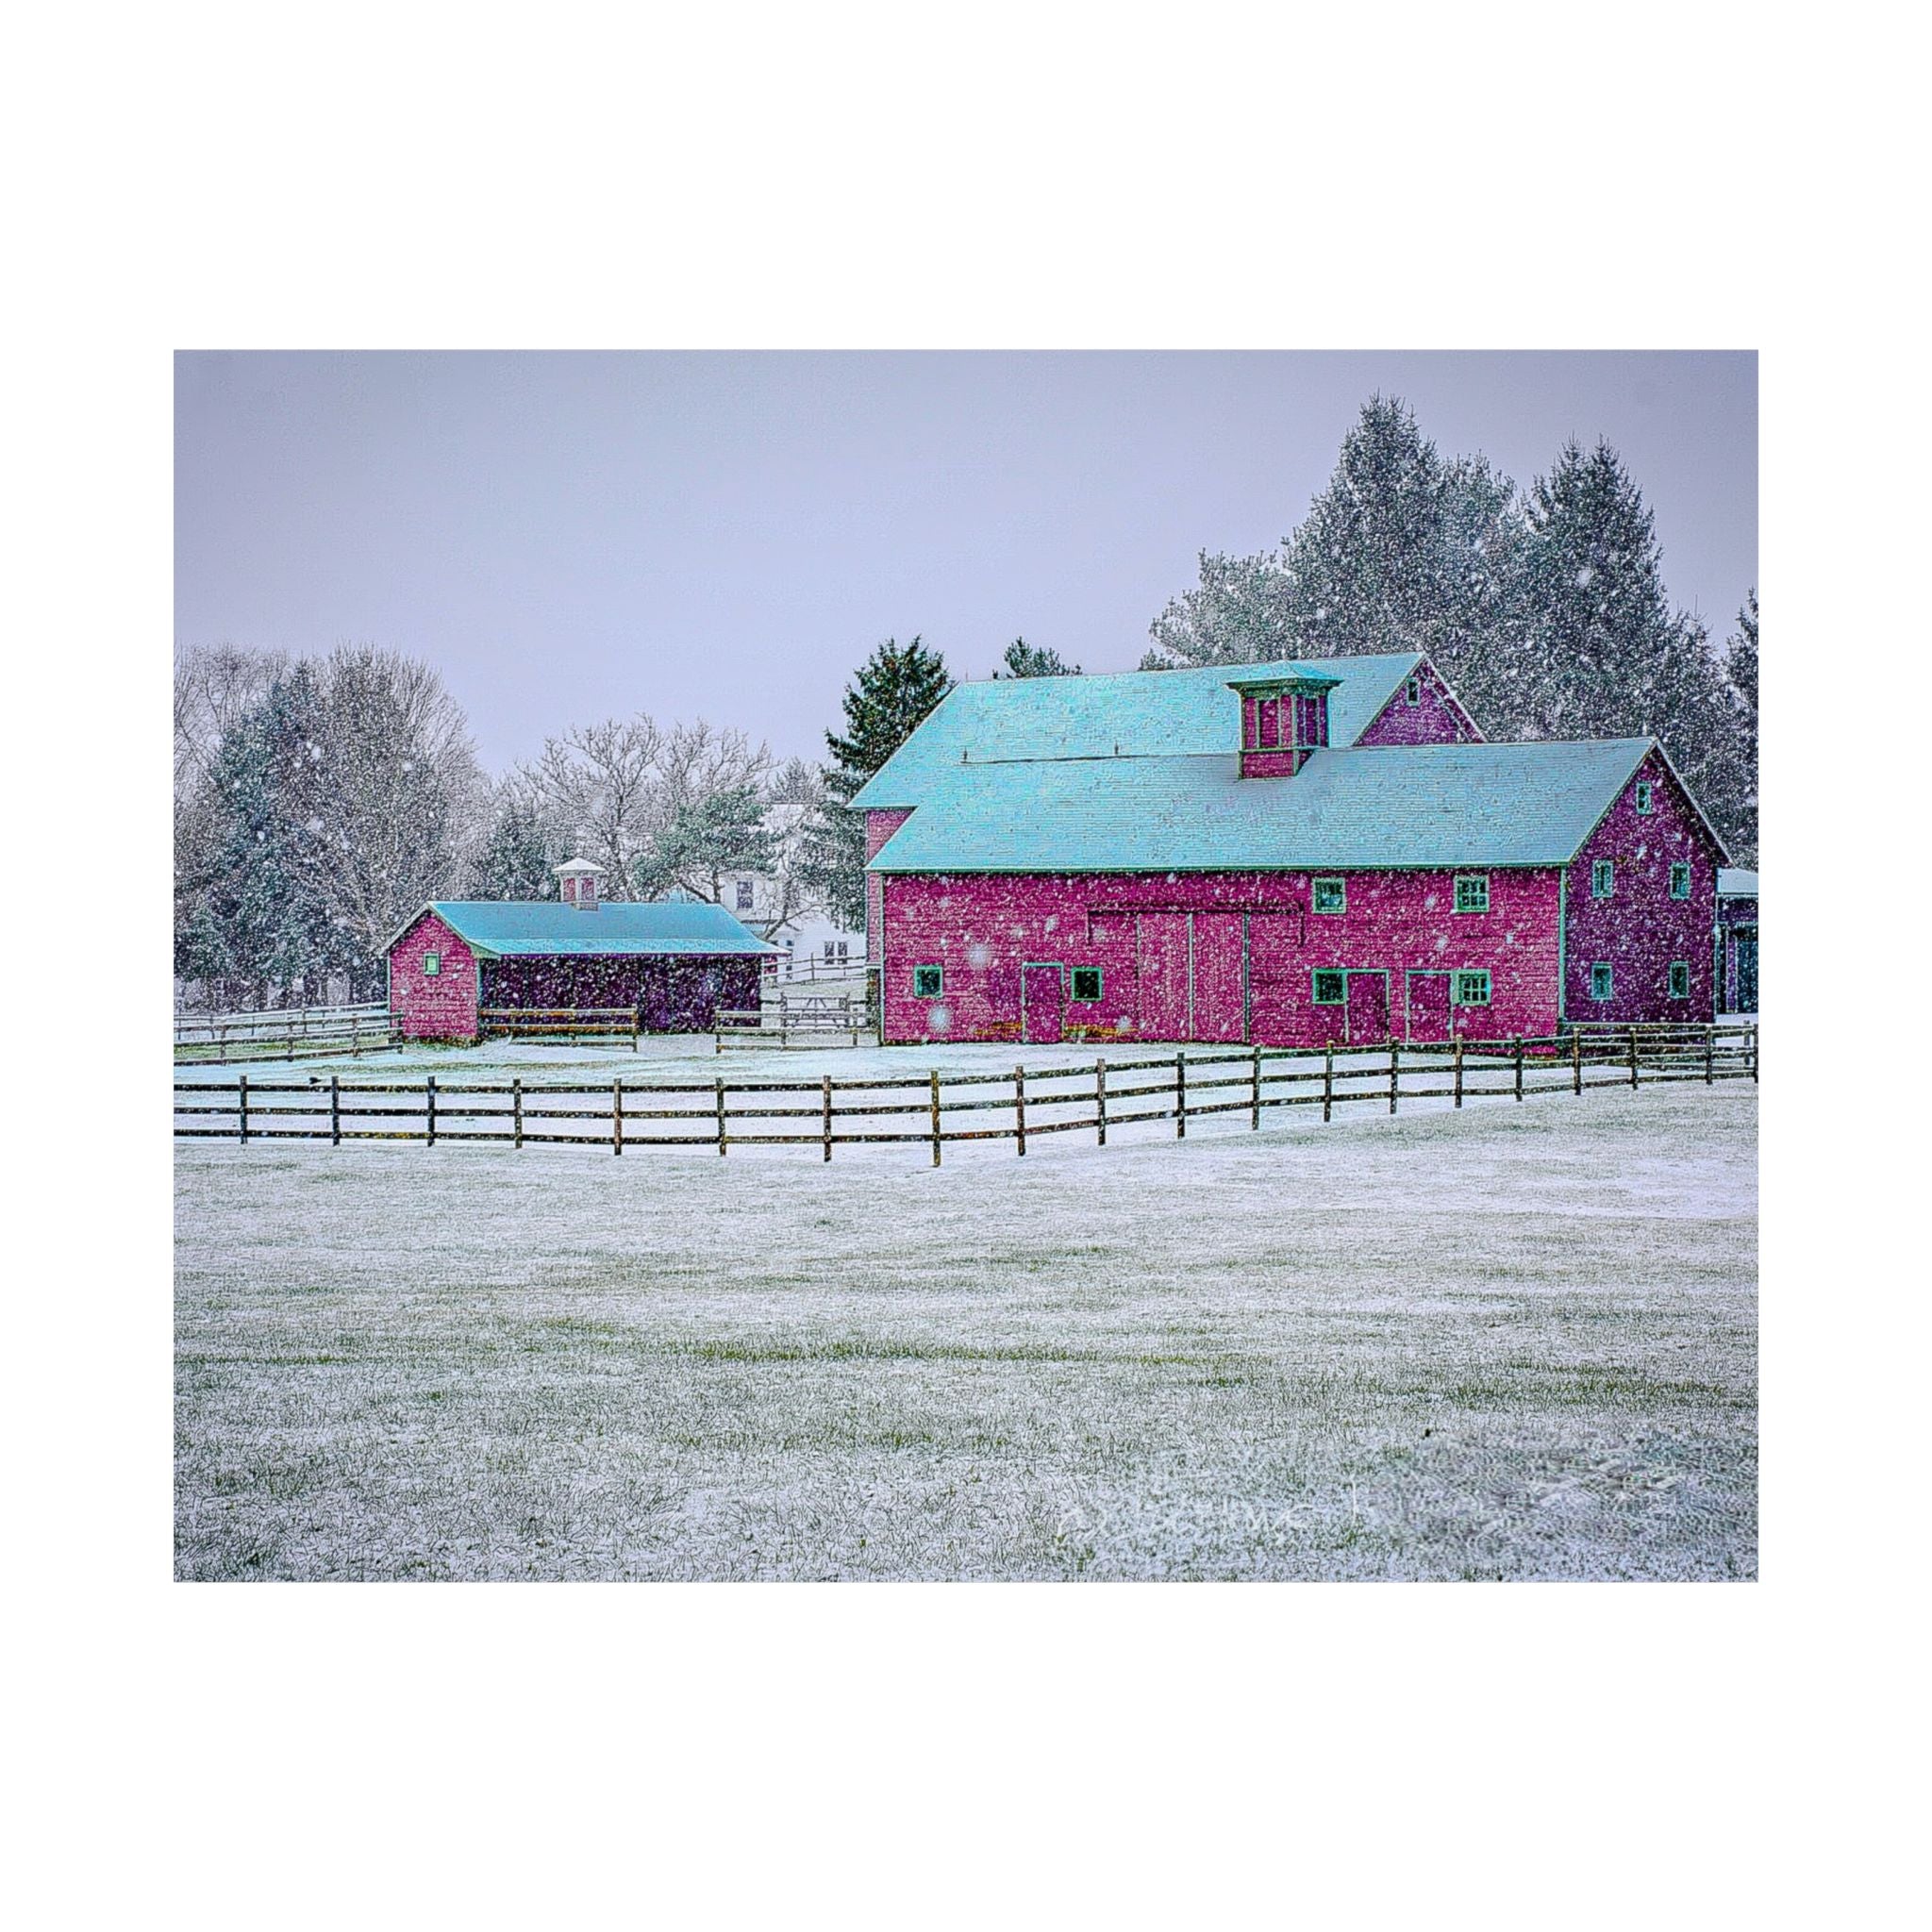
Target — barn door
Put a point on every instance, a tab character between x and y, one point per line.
1367	1009
1747	972
1219	1002
1042	1004
1161	960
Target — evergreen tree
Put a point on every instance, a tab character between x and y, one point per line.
266	902
517	861
1740	673
705	840
886	701
1035	660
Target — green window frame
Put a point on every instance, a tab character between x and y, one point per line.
929	981
1646	797
1329	895
1680	979
432	965
1603	982
1472	891
1470	988
1680	879
1329	987
1603	878
1087	982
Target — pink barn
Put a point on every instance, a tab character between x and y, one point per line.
673	962
1294	854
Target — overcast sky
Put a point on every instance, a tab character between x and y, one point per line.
569	537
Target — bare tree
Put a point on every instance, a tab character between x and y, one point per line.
597	785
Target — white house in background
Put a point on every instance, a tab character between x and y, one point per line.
802	934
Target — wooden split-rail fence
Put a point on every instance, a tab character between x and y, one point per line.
560	1022
288	1033
938	1110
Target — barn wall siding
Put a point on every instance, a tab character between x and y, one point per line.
879	827
439	1008
1639	930
669	992
1436	719
983	930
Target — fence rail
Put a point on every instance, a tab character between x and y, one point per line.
291	1033
558	1023
796	1020
936	1109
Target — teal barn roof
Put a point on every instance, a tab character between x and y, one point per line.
1137	713
1733	883
549	928
1428	805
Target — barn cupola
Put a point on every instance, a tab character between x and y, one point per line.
1284	719
576	881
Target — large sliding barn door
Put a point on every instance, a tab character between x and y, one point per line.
1192	975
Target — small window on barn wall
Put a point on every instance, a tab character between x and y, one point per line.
1601	981
927	982
1603	878
1414	694
1680	880
1086	982
1471	989
1646	794
1472	891
1331	895
1680	979
432	965
1331	989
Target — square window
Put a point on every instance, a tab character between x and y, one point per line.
1680	979
1680	880
1472	891
744	896
1601	982
927	982
1471	989
1603	878
1645	795
1086	982
1331	895
432	965
1331	989
1414	694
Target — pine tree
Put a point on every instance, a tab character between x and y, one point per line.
1035	660
517	861
1741	674
266	902
724	832
891	693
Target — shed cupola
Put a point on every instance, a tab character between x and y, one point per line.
1284	720
577	880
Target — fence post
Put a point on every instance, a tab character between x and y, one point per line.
935	1116
1754	1050
516	1107
617	1116
1327	1082
245	1110
1710	1057
1100	1097
429	1092
1180	1097
634	1028
1020	1108
1458	1073
335	1110
1394	1073
1255	1099
1518	1065
720	1119
1576	1061
1633	1056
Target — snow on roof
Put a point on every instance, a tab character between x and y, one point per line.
1428	805
547	926
1137	713
576	865
1733	883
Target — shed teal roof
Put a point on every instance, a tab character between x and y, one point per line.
1143	713
549	928
1426	805
1733	883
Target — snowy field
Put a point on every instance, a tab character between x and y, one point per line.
1514	1342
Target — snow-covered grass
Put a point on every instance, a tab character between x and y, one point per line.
1512	1341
